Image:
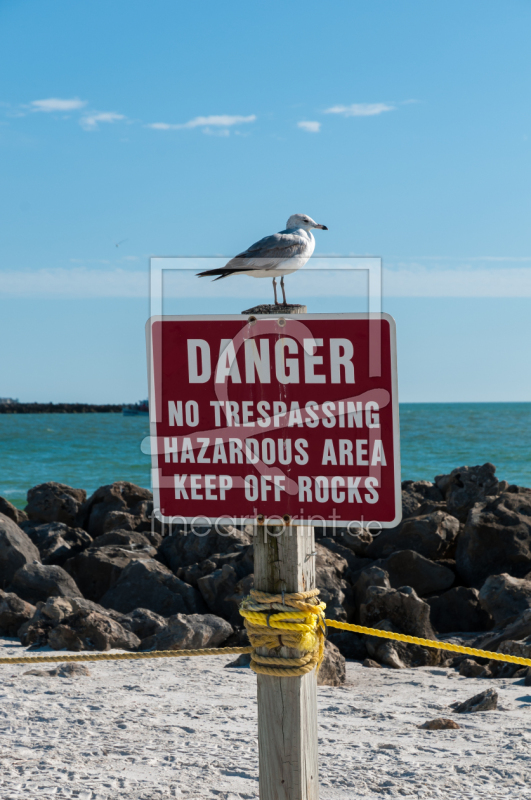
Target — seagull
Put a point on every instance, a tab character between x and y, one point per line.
274	256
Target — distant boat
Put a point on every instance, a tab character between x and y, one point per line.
140	409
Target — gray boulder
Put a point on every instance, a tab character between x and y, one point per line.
415	493
189	632
131	540
470	668
401	655
183	549
402	607
14	612
505	598
16	549
143	622
519	629
466	486
332	671
54	502
334	589
496	538
354	561
56	541
34	582
121	496
372	576
485	701
351	645
459	609
409	568
97	569
217	588
11	511
148	584
432	535
88	630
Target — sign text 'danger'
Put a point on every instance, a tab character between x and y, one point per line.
273	419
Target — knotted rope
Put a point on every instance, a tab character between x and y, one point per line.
294	620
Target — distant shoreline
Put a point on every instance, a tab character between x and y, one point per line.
60	408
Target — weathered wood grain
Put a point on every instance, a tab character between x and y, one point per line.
287	707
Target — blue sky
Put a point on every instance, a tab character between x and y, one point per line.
195	129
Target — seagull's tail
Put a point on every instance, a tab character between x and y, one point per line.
221	272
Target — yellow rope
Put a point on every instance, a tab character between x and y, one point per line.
455	648
301	626
294	620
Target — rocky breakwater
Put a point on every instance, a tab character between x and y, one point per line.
98	573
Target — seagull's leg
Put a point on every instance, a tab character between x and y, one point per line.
275	290
283	290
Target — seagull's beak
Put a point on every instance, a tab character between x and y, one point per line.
322	227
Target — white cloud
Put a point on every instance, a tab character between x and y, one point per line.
311	127
360	109
91	121
57	104
220	121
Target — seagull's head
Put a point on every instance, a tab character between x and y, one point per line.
303	221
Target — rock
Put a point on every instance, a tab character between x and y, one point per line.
399	655
69	670
143	622
97	569
217	589
368	662
184	549
408	568
350	645
241	590
440	724
414	493
402	607
505	597
466	486
431	535
54	502
399	611
499	669
121	520
332	671
527	677
150	585
88	630
13	613
334	590
131	540
356	540
11	511
243	660
521	648
354	562
470	668
372	576
189	632
56	541
34	582
519	629
16	549
120	496
485	701
458	609
496	538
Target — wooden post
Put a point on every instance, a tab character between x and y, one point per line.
287	707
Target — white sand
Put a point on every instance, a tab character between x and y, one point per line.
187	728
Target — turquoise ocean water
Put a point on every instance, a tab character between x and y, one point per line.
89	450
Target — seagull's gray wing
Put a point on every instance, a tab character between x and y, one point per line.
269	252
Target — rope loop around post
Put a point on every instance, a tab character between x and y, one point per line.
293	620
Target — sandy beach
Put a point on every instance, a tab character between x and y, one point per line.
187	728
